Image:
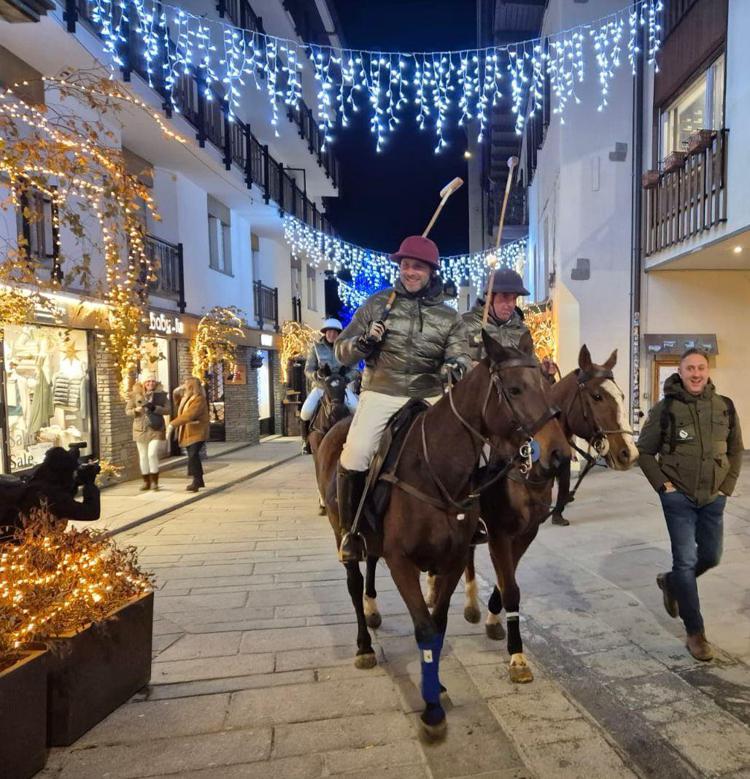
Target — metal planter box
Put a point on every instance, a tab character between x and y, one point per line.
23	716
93	672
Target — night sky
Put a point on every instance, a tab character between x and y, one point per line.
387	196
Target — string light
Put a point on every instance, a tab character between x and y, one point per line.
382	83
371	270
296	339
214	341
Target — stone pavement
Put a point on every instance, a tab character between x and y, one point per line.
254	638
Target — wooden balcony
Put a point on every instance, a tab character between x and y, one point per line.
687	201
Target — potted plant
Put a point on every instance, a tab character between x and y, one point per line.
674	161
23	711
86	599
699	141
650	179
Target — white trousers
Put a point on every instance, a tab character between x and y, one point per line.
368	425
148	455
312	400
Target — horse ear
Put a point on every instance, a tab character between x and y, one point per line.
526	343
326	370
342	370
612	361
584	359
495	351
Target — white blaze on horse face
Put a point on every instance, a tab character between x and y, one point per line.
611	388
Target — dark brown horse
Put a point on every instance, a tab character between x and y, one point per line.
592	409
332	409
433	510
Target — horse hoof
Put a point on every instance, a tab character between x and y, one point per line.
322	511
520	674
495	631
433	723
374	620
365	661
433	733
472	614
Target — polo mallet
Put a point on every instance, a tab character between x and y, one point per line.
445	193
492	258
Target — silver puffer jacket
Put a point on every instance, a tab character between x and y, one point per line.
507	334
422	334
322	353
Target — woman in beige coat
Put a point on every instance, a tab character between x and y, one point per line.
192	423
148	404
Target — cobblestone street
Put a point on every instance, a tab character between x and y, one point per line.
254	641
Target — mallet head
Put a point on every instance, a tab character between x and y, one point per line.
451	187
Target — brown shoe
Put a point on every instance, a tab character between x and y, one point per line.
193	486
154	481
146	482
670	602
698	647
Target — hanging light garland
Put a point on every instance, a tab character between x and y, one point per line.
437	85
371	270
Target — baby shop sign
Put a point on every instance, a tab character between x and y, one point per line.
166	324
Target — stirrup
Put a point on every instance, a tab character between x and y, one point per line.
353	548
481	536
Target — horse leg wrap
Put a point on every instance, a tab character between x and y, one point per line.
515	645
495	604
429	652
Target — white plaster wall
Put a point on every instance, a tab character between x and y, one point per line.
586	198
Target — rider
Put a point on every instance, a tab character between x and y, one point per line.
321	354
505	319
406	357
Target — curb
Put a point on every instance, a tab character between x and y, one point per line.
199	496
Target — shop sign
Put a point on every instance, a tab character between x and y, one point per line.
673	345
165	323
266	339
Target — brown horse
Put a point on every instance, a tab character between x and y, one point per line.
332	409
433	511
592	409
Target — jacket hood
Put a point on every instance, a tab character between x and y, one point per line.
432	294
674	388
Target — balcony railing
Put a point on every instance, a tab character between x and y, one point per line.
166	259
211	120
687	201
266	304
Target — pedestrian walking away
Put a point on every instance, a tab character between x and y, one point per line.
408	339
322	354
691	452
192	423
148	404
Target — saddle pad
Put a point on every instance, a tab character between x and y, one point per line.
378	491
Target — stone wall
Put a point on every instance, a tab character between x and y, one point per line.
115	427
184	361
279	393
241	403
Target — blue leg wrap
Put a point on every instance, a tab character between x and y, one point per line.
429	652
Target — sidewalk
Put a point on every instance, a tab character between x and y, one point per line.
124	506
254	638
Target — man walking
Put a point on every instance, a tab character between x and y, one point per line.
691	452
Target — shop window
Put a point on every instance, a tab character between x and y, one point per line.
47	388
312	288
699	107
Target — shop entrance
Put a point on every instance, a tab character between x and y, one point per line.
265	393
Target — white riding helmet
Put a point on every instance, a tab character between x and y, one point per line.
331	324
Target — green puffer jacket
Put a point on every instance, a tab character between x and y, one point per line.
505	333
321	354
422	333
700	451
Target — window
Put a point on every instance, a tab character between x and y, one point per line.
219	241
699	107
312	288
34	223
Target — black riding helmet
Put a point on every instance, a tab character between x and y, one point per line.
507	280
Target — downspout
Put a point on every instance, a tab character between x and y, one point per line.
635	240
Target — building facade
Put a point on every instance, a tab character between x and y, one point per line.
221	198
638	219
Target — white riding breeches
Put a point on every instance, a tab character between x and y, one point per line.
148	455
368	425
312	400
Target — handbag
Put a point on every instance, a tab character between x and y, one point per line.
155	421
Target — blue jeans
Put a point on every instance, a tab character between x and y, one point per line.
696	534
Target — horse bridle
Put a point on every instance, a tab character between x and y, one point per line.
524	452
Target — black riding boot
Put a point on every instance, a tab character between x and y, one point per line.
349	487
304	432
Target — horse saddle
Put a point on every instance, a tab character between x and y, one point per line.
377	491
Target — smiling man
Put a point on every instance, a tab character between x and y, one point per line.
691	452
408	349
